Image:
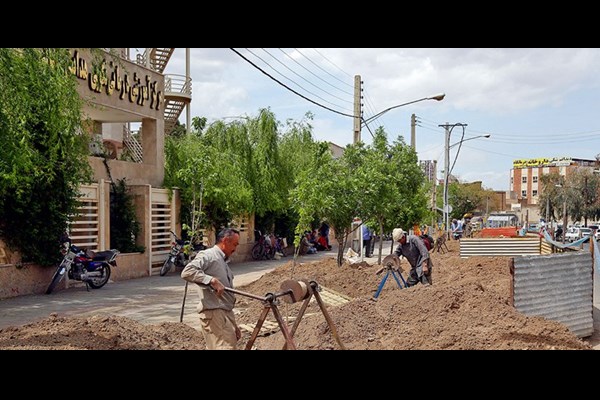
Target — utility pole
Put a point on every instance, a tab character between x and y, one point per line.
188	111
448	127
564	217
446	175
357	107
548	209
585	201
413	138
434	197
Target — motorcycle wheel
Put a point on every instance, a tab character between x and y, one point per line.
166	266
258	252
56	278
97	283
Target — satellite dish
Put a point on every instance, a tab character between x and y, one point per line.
448	209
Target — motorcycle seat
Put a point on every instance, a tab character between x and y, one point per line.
103	255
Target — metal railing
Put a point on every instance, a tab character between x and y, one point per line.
134	147
178	84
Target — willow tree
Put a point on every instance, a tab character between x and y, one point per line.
43	156
297	150
209	179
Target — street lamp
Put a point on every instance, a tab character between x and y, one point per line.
448	169
365	122
564	187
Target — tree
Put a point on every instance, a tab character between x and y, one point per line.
211	180
394	191
329	188
43	156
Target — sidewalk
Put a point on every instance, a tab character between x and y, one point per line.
149	300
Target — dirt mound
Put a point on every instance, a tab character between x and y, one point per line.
467	307
100	333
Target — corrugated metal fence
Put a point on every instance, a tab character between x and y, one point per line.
499	246
557	287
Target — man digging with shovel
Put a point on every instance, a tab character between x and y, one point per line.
417	255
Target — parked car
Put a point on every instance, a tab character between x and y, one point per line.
577	232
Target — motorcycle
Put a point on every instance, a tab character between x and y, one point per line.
77	264
181	253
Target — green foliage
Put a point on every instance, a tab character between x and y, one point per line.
581	193
211	178
124	227
466	198
43	156
328	187
245	166
381	183
395	190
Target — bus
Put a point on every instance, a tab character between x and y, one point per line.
501	220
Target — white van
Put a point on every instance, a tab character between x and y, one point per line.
577	232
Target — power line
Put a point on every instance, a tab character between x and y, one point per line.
332	63
289	79
287	87
315	64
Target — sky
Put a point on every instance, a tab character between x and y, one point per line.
533	102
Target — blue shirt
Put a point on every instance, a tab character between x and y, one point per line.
366	233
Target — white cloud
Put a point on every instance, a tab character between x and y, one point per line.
493	90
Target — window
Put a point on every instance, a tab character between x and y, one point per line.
524	194
534	193
535	179
524	179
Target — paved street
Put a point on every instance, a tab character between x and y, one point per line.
149	300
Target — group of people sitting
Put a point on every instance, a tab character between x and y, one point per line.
313	241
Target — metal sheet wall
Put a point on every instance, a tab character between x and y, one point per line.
499	247
557	287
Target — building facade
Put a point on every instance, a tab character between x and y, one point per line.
118	93
525	185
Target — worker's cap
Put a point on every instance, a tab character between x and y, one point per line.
398	234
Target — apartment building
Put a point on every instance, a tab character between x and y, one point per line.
525	186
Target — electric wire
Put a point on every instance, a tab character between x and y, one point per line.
332	63
287	87
303	78
311	72
289	79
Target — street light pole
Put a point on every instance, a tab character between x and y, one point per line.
437	97
447	169
446	175
564	193
564	217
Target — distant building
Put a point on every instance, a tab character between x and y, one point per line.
336	150
429	168
525	188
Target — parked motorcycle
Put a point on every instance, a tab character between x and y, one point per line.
181	253
77	264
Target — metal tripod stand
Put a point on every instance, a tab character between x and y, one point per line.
391	264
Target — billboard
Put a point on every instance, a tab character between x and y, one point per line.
543	162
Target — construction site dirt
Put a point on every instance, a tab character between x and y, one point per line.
466	307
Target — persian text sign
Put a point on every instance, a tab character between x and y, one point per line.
108	77
543	162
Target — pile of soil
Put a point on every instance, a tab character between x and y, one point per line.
467	307
100	333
